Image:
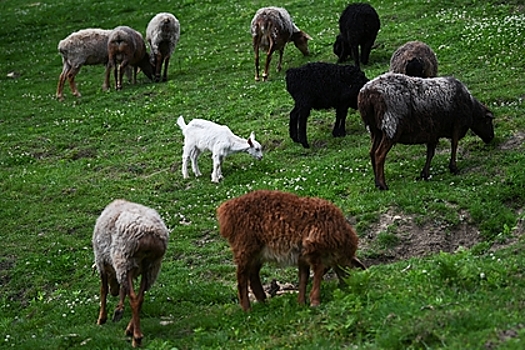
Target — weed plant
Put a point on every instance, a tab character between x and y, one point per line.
62	163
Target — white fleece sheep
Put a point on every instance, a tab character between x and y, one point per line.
129	240
162	34
202	135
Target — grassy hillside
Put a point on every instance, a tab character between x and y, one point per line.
446	255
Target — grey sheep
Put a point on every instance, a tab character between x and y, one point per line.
129	240
359	25
272	28
414	58
84	47
397	108
320	85
126	47
162	35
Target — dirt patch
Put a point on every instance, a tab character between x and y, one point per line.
398	237
514	142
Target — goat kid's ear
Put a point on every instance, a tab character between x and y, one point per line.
251	138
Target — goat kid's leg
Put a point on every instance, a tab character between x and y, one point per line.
431	150
103	314
216	174
304	274
255	283
340	120
194	156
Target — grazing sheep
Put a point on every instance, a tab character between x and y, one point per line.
358	26
162	34
202	135
321	85
397	108
282	227
129	240
127	47
84	47
272	28
416	59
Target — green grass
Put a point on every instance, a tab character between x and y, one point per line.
62	163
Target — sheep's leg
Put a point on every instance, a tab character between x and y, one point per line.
340	120
315	293
431	150
71	78
62	81
280	64
380	156
116	74
107	73
135	301
376	140
166	64
453	150
304	274
242	286
256	42
119	310
355	53
294	116
304	113
255	283
365	51
103	314
269	53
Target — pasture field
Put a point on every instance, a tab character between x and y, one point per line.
446	256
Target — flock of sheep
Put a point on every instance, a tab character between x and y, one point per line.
407	105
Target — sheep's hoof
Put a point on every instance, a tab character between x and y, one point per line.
101	321
136	342
117	315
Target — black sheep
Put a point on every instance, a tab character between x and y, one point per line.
358	26
397	108
320	85
414	58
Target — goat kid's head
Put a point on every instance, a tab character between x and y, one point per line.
300	40
255	149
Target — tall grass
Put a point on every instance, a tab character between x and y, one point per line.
61	163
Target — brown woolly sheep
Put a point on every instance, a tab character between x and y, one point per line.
127	47
416	59
129	241
397	108
272	28
282	227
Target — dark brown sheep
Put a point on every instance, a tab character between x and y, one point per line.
282	227
414	58
272	28
127	47
397	108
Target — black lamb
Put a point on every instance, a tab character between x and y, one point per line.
320	85
358	26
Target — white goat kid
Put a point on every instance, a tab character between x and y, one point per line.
202	135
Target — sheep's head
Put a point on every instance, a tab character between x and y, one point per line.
255	149
300	40
483	124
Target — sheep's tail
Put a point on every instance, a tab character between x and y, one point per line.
181	123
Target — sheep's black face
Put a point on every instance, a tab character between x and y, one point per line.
484	127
